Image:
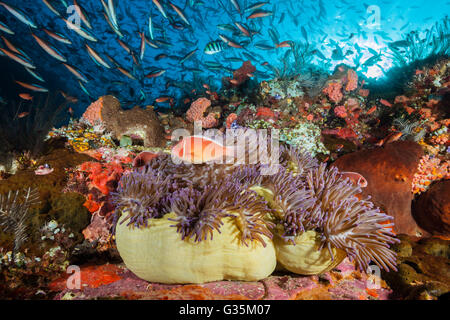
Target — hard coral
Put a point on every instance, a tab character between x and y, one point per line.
340	111
139	122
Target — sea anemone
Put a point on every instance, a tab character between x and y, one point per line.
297	160
303	201
198	212
141	195
250	212
347	223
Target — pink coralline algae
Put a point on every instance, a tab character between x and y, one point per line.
429	170
340	111
342	283
334	91
196	113
352	80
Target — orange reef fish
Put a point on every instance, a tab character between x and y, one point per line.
355	178
22	115
284	44
259	14
155	74
372	110
200	149
26	96
386	103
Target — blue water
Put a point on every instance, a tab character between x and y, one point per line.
360	29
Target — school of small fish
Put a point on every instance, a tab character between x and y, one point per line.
159	51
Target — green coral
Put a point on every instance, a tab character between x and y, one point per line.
259	124
305	135
285	88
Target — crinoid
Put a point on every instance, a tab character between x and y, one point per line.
14	214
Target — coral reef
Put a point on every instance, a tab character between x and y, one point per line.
282	88
107	185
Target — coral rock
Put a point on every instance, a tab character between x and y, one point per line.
432	209
143	123
389	172
340	111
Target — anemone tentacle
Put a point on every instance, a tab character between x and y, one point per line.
350	224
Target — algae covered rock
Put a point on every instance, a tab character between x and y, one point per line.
68	209
139	122
158	254
423	271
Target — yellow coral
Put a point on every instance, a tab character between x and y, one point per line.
79	145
